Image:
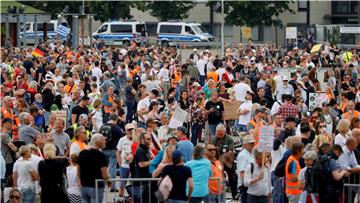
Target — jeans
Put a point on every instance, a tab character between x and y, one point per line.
28	195
215	198
141	124
88	195
195	131
242	128
111	157
47	117
257	199
202	80
130	108
243	194
278	190
212	128
175	201
198	199
124	173
232	179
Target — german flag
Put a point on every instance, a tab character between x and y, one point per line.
38	51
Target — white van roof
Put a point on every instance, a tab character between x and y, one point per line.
124	22
178	23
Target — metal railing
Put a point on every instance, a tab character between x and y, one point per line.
142	190
351	190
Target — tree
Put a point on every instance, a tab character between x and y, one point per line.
252	13
168	10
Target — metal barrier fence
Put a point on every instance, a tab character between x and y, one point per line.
142	190
351	190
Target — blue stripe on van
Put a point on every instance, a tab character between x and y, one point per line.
178	37
116	36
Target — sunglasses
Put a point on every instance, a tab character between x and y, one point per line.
212	149
322	126
14	197
314	117
147	138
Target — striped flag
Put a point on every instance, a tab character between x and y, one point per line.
38	51
63	31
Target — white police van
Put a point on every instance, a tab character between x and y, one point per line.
170	32
51	31
120	32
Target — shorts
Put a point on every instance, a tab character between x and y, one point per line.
124	173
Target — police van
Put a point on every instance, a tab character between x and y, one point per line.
169	33
51	31
120	32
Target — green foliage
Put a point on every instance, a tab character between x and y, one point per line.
168	10
333	35
252	13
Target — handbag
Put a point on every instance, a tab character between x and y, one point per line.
164	189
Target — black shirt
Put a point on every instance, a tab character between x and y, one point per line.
78	110
179	174
117	133
142	155
128	95
90	162
216	116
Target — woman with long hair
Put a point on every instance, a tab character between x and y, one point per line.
58	103
73	180
96	116
52	176
321	137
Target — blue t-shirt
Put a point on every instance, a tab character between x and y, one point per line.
201	172
186	148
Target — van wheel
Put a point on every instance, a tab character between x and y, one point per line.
126	43
164	43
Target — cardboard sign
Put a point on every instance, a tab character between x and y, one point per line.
266	139
291	32
230	110
246	32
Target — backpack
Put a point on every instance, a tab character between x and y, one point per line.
165	187
105	130
280	168
316	178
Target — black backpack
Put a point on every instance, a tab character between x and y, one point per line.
280	168
105	130
317	178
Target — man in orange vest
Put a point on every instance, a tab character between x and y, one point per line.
108	102
292	171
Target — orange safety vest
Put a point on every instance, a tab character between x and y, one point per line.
9	114
176	79
254	124
349	115
109	109
81	145
216	186
69	89
214	76
343	106
292	182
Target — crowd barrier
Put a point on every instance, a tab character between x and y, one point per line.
142	190
351	190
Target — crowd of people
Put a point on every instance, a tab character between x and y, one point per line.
70	117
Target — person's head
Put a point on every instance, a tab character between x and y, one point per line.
80	134
152	123
74	158
154	105
184	95
343	126
199	152
310	157
351	143
319	127
305	130
83	120
248	142
110	90
350	105
129	128
355	123
145	139
59	125
356	134
290	122
249	96
181	132
258	156
278	119
177	157
211	151
15	196
25	151
6	124
260	113
154	94
220	131
85	100
214	96
97	141
261	92
97	104
337	150
7	101
172	139
49	151
298	150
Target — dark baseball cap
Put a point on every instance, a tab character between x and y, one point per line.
155	92
183	130
177	154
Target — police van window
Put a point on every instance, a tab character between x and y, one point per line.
189	30
50	27
103	29
175	29
121	28
139	27
27	26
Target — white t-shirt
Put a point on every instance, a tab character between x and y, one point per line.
200	64
143	104
23	169
97	73
220	72
97	115
71	174
124	145
340	139
245	118
242	161
241	90
164	75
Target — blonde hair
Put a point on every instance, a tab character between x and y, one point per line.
343	126
49	151
23	150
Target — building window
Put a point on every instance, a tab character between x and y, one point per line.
302	5
344	7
